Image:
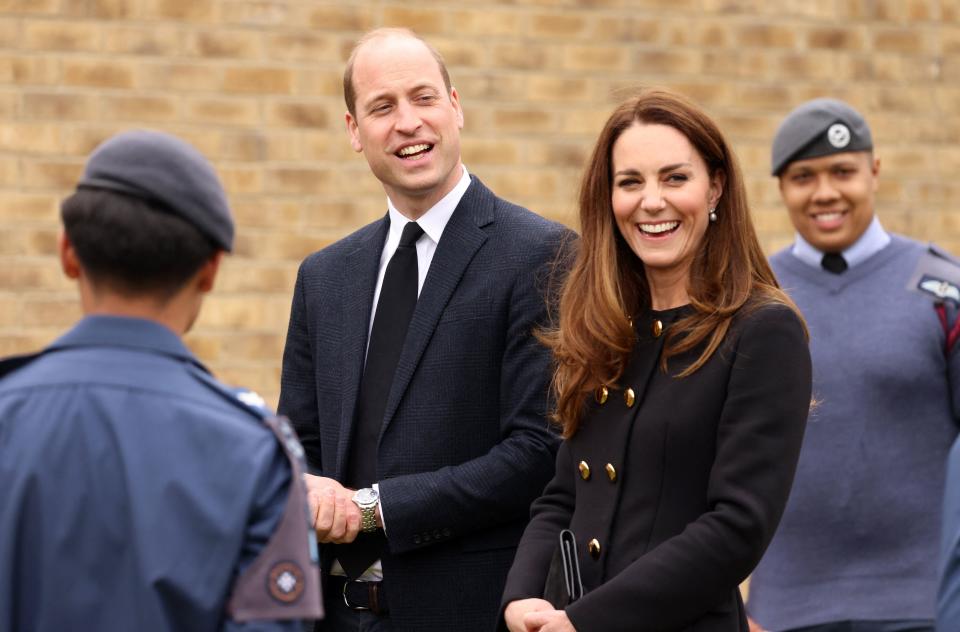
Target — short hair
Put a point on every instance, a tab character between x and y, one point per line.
132	246
350	95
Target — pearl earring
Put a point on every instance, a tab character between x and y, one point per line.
712	215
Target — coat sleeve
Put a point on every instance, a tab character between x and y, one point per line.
495	488
298	395
549	514
269	501
948	597
758	441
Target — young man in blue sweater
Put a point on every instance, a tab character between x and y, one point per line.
857	548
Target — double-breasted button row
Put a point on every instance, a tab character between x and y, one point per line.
584	468
603	393
436	535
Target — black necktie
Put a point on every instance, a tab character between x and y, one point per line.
834	262
398	298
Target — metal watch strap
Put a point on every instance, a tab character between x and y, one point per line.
368	518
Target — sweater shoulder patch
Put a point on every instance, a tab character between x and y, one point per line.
937	276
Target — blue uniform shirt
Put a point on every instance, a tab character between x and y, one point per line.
133	493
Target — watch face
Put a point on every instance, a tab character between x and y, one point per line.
366	496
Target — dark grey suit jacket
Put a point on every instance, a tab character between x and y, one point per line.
465	445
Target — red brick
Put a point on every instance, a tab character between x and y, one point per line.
423	21
58	106
60	36
98	73
50	174
261	80
221	43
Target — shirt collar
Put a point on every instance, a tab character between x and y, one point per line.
121	331
872	241
435	219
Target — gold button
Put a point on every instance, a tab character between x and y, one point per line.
657	328
611	472
629	397
584	470
594	548
602	394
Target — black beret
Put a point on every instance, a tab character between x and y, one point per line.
819	128
166	171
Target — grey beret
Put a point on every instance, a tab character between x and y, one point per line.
166	171
819	128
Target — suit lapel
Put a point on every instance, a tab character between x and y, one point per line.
461	239
357	286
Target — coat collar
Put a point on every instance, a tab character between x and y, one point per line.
124	332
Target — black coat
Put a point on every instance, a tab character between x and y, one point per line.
465	445
685	487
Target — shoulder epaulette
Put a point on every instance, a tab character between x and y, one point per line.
12	363
937	276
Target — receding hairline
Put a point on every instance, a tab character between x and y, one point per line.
387	32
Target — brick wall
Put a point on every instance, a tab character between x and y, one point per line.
255	84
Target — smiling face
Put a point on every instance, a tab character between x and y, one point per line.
661	197
406	124
830	199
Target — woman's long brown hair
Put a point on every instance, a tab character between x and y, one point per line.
606	283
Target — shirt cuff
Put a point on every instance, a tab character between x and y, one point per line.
383	517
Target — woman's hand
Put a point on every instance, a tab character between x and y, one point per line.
547	621
516	610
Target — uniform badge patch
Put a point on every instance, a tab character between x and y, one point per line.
285	582
940	288
838	135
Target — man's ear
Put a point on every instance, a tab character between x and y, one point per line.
455	101
69	262
208	272
354	131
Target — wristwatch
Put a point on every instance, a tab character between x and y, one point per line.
367	500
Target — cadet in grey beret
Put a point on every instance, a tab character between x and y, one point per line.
167	171
819	128
856	547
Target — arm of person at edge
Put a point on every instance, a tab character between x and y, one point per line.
465	497
953	377
270	502
758	444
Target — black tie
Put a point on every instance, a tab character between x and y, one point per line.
398	298
834	262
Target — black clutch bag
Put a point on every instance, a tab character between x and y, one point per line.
563	585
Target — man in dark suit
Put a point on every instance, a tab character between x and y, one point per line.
411	371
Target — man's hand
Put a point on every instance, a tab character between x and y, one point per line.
517	610
547	621
754	626
336	518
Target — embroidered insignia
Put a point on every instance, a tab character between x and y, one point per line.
285	582
939	288
838	135
251	399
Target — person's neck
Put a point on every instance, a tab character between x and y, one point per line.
668	288
176	313
413	208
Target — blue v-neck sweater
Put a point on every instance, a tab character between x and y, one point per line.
860	535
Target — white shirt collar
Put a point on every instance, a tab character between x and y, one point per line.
872	241
435	219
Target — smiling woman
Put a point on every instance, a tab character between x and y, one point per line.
682	381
